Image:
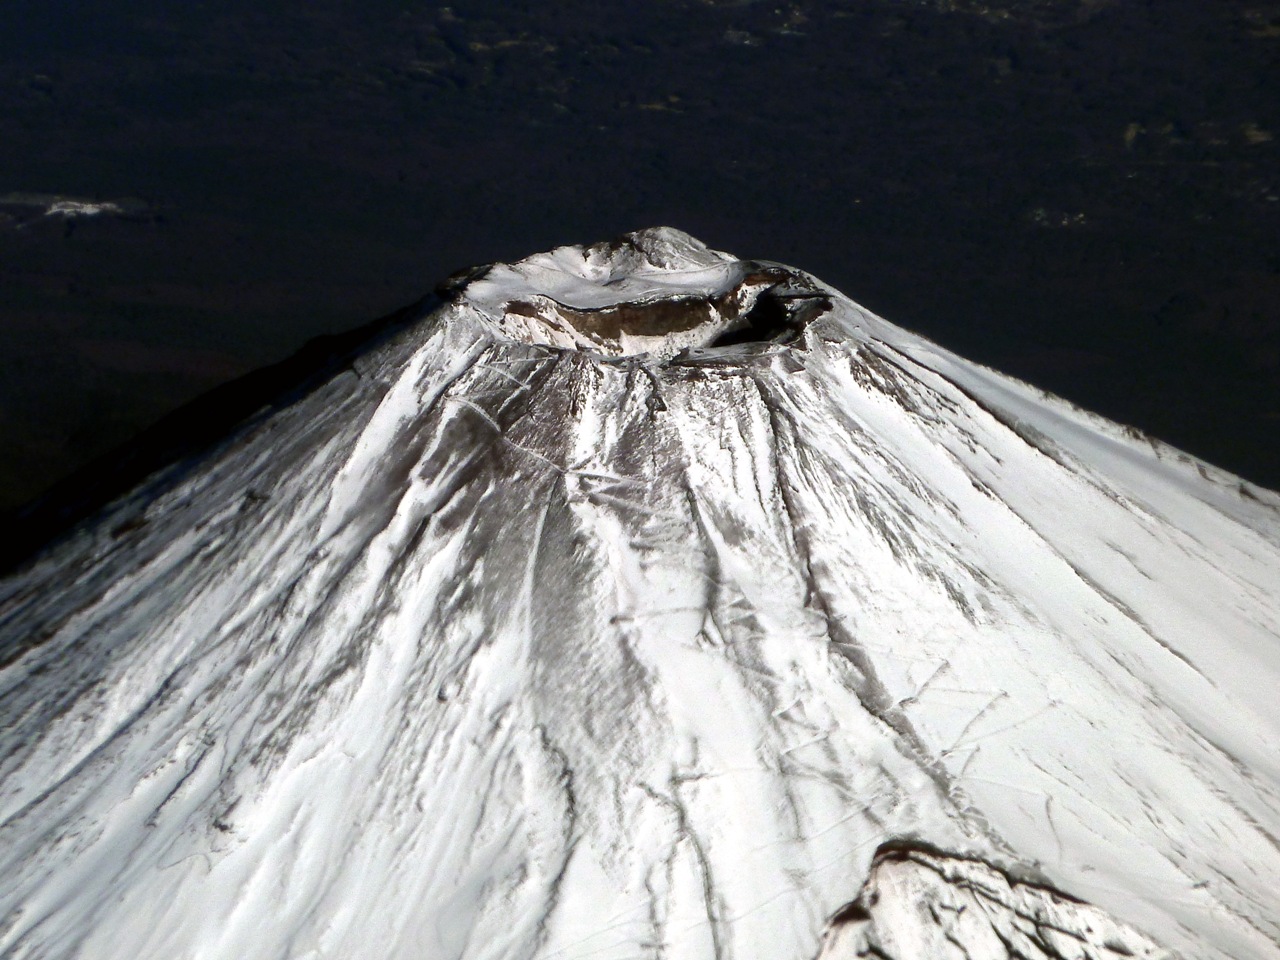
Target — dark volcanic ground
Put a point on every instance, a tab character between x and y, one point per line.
1084	193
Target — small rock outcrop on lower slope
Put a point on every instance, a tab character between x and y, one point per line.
624	606
920	904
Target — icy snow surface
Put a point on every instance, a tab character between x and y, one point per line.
581	621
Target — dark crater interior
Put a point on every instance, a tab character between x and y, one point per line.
774	318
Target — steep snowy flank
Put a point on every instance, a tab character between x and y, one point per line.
625	607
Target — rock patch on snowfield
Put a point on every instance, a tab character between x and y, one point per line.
922	903
624	603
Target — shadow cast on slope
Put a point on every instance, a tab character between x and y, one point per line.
186	435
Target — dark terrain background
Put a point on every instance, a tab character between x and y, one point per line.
1083	193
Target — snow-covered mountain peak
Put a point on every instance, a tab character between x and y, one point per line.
574	622
655	292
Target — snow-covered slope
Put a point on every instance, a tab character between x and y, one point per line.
626	607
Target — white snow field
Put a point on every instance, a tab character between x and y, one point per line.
626	607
